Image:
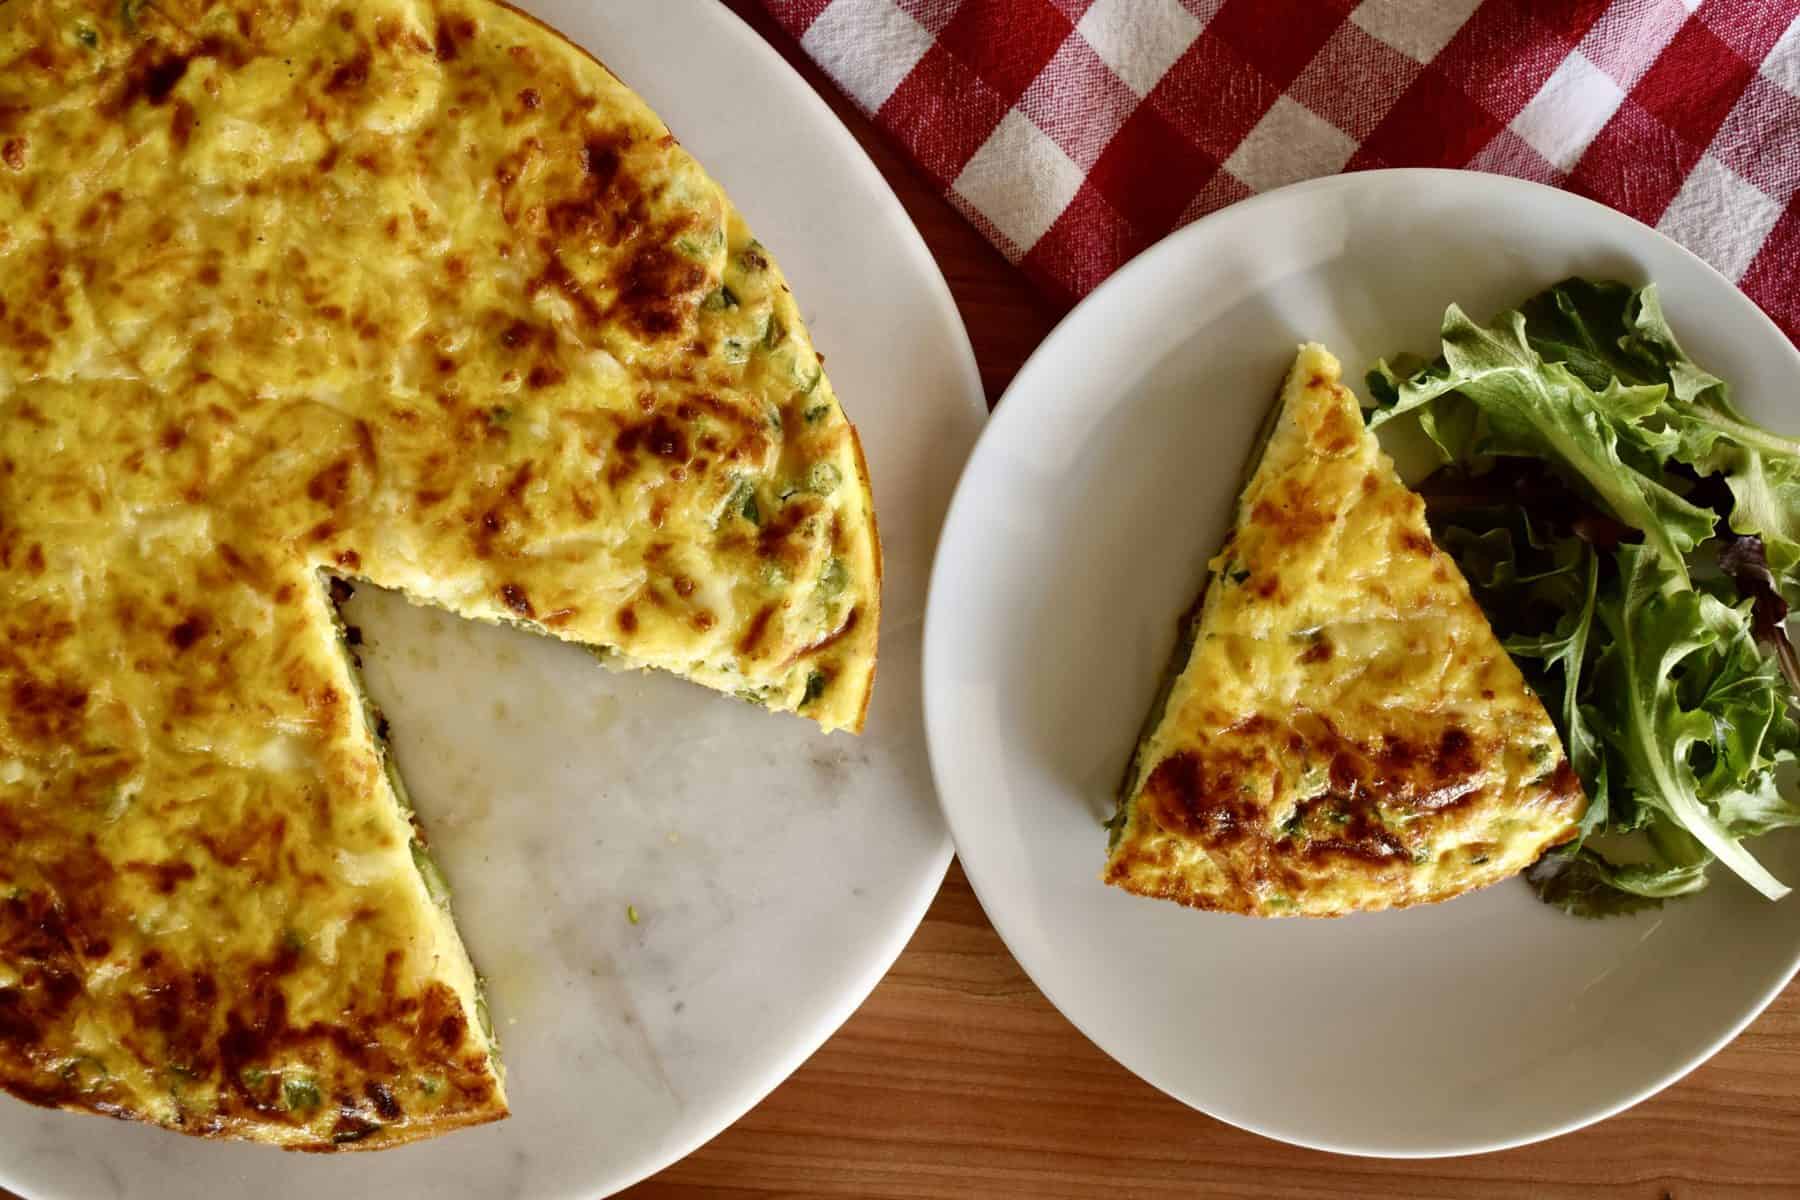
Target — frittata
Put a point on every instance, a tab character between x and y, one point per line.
405	291
1344	732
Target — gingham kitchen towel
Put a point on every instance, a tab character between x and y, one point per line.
1074	133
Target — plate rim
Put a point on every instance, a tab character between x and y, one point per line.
993	434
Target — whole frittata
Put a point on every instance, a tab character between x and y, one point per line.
408	292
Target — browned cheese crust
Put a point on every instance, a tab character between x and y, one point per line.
415	293
1347	733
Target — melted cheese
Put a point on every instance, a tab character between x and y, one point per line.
406	290
1346	732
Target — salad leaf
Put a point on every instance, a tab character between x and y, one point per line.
1751	812
1761	468
1585	884
1605	332
1543	409
1742	690
1575	876
1586	325
1452	422
1742	559
1767	491
1491	558
1656	626
1563	651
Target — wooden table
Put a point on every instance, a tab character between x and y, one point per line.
958	1079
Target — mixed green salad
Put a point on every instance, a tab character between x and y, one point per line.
1636	542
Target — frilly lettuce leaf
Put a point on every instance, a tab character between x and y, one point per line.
1761	468
1656	626
1543	409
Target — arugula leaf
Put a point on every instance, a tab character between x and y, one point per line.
1575	876
1656	625
1452	422
1741	689
1737	696
1543	409
1585	884
1563	651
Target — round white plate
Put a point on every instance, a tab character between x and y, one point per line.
1080	533
777	872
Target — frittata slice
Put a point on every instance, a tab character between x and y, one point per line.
216	920
1345	732
407	291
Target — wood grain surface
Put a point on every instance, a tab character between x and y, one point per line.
958	1079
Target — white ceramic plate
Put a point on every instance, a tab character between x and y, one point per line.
777	872
1080	532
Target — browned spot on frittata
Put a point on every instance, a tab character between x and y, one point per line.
658	289
164	876
46	711
1292	517
351	74
514	597
1415	542
151	77
189	630
752	638
181	123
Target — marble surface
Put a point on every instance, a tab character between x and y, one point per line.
775	871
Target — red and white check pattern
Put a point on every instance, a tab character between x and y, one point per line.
1074	133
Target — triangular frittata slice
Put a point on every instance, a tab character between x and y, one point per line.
407	291
1346	732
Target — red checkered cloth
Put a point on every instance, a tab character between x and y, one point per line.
1074	133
